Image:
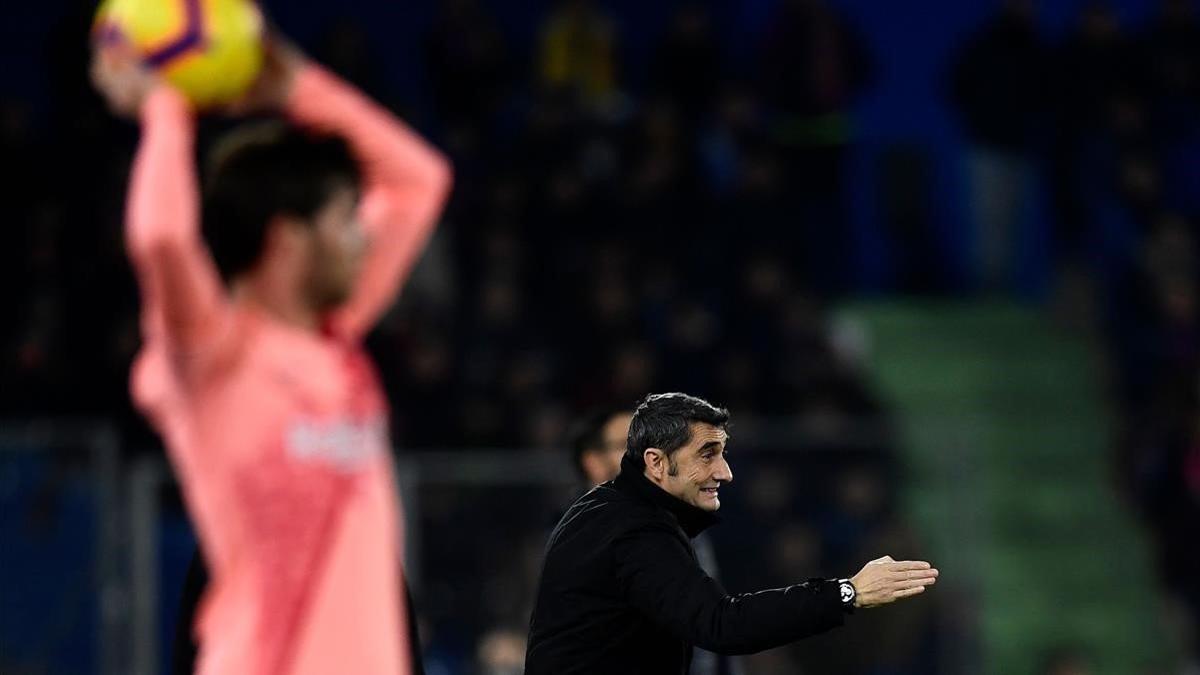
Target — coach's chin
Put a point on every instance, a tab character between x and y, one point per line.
621	590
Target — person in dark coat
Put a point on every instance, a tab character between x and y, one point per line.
621	590
597	446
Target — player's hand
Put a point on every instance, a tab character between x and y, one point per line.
270	92
121	78
884	580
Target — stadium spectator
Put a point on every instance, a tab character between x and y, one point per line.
997	85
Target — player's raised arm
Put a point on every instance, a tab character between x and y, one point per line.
405	184
183	299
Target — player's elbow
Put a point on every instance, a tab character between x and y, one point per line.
441	174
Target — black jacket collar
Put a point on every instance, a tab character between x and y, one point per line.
633	482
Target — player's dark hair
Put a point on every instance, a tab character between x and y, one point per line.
587	433
664	421
261	171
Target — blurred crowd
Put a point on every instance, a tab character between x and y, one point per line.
680	220
608	234
607	240
1106	121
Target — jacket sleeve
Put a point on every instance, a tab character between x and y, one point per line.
660	578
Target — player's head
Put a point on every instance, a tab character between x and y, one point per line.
679	442
281	202
598	441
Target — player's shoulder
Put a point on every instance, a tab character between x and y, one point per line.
221	349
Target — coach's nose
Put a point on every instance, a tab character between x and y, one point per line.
724	474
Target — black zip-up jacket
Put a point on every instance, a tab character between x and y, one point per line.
621	591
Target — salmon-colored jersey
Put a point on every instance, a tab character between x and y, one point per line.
279	435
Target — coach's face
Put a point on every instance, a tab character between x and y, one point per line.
695	472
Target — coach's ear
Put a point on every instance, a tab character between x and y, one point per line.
656	464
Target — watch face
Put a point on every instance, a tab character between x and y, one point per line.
847	592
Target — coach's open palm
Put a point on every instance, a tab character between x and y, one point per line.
884	580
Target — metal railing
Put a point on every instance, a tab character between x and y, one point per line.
96	446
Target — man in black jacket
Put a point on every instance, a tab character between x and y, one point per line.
621	590
598	444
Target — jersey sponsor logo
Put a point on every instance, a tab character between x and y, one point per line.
344	444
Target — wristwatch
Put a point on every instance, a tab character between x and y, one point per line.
847	593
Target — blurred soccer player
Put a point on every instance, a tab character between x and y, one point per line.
271	411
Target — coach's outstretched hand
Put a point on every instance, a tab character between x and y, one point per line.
884	580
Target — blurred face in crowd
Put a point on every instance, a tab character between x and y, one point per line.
695	472
603	463
335	247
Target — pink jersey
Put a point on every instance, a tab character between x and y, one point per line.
279	435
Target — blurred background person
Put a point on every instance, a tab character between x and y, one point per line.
999	88
598	442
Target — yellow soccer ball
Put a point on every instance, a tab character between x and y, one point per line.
211	50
